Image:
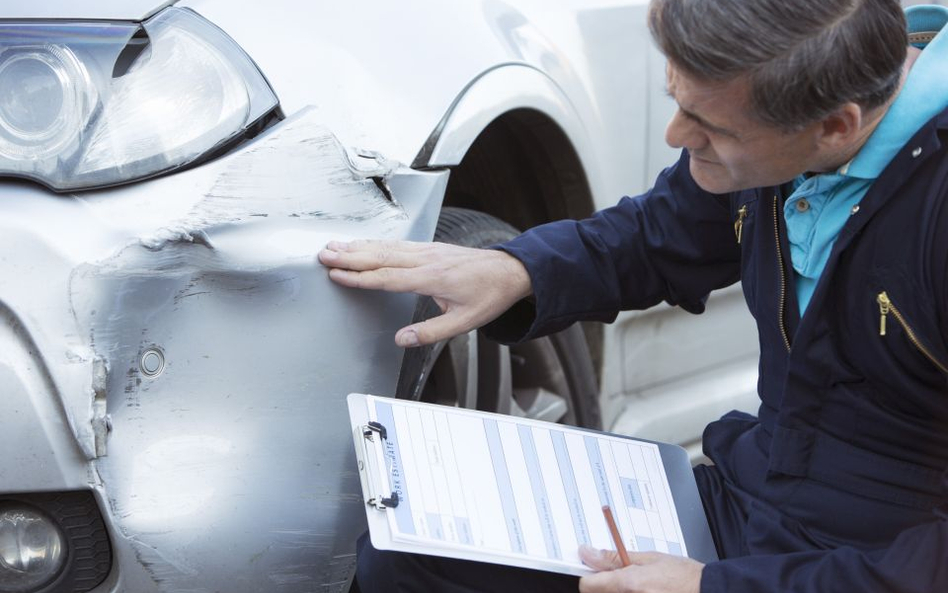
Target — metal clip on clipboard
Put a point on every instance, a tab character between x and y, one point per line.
375	478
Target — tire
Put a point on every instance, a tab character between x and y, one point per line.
550	378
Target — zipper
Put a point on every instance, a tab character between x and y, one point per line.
783	282
886	306
739	223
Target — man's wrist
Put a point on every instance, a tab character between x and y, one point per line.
518	278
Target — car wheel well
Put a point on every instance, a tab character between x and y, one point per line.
523	169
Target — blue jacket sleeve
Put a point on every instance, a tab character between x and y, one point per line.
913	563
674	243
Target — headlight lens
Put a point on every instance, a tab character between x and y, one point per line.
42	104
32	550
74	116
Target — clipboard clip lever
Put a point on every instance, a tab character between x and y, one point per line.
382	502
372	427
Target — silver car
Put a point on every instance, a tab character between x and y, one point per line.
174	361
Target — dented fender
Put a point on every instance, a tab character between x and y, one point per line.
174	346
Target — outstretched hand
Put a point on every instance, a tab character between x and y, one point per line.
470	286
650	572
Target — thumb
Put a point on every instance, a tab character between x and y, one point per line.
599	559
444	326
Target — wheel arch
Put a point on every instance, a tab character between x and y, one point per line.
525	158
542	125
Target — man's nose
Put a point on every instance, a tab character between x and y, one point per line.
682	132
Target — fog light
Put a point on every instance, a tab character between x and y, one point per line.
32	552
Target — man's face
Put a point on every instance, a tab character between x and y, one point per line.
730	149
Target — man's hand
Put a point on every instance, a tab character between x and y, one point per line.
471	286
650	572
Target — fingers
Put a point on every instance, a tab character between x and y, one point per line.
609	577
643	558
376	244
651	572
610	560
390	279
433	330
602	582
472	286
373	255
379	265
599	559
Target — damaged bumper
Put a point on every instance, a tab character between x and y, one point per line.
173	347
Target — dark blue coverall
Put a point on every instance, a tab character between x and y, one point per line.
840	484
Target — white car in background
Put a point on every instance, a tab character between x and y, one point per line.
174	362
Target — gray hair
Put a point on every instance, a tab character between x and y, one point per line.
804	58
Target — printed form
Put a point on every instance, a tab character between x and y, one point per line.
520	488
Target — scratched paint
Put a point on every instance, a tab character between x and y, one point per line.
301	171
232	470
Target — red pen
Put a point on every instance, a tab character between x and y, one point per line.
614	530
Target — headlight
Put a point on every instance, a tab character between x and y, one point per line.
94	104
32	550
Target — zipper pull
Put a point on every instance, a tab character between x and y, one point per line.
739	223
884	305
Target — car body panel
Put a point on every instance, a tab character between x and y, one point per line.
242	439
40	450
412	65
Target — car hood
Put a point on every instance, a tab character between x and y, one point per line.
113	10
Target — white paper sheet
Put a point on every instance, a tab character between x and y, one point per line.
502	489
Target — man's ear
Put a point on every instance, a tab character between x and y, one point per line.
841	128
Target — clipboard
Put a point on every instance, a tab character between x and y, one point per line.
414	460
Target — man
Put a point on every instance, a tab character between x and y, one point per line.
813	171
